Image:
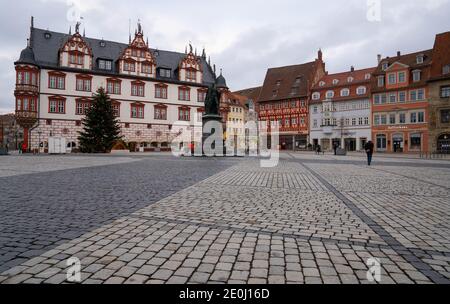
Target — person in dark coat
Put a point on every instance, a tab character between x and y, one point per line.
335	147
369	147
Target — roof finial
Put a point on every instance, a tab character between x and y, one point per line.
70	30
147	42
139	27
204	53
190	47
32	22
209	60
195	52
77	27
185	49
220	71
28	42
84	32
214	69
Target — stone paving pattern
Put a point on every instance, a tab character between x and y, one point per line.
305	221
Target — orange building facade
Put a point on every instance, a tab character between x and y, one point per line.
400	103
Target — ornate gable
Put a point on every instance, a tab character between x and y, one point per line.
137	59
190	68
76	53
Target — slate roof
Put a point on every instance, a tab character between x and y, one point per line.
286	76
46	54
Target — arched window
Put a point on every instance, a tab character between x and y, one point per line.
361	90
350	79
316	96
345	92
330	94
322	83
335	81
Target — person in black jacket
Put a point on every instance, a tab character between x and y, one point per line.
369	147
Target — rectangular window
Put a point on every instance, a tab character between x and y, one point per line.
146	68
392	98
116	109
191	75
421	94
184	94
160	113
392	119
392	78
360	121
402	97
82	106
184	114
402	118
377	99
113	87
416	76
381	81
129	66
137	111
401	77
83	85
137	89
376	120
445	116
161	91
413	118
201	96
366	121
383	119
57	82
421	117
413	96
57	106
445	92
76	58
164	73
105	65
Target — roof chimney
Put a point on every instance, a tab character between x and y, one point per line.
320	55
399	54
379	58
352	69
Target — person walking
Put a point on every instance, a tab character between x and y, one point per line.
369	150
335	147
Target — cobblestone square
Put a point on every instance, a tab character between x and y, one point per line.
158	219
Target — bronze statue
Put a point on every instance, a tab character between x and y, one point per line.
212	102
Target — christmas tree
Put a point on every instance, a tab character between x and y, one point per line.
101	129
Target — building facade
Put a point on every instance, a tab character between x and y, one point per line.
284	99
400	103
150	89
11	134
340	112
439	90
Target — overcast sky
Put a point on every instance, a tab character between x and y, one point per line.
244	37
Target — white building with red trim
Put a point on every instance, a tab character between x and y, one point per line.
57	75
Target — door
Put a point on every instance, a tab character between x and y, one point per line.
397	143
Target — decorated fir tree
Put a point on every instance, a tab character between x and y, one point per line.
101	129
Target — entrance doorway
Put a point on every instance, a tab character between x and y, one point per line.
443	143
350	144
286	142
397	143
363	143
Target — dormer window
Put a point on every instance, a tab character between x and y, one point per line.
47	35
419	59
345	92
416	75
129	66
105	65
76	58
316	96
278	83
165	73
322	83
335	81
446	69
385	66
350	79
361	90
146	68
330	94
367	77
297	81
